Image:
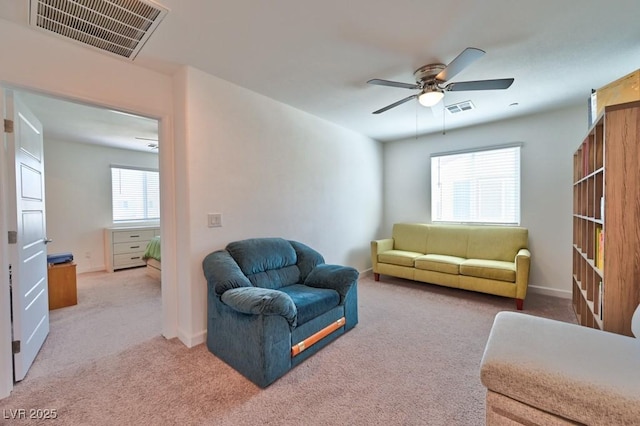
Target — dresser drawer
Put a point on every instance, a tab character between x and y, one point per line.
135	235
128	259
129	247
124	247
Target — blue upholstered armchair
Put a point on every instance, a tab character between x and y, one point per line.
273	303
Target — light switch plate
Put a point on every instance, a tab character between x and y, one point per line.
214	220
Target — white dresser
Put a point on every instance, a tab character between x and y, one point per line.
124	246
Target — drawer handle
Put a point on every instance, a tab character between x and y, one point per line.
134	246
137	257
134	236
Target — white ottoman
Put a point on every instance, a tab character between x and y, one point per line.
546	372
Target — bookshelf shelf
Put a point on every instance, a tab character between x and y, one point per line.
606	221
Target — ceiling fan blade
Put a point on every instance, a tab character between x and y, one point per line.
503	83
389	83
463	60
395	104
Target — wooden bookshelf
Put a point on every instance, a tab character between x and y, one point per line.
606	199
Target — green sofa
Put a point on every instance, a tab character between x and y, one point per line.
487	259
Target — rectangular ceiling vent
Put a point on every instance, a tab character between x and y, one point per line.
459	107
119	27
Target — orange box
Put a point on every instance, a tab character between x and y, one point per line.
62	285
625	89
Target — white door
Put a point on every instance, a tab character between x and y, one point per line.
27	225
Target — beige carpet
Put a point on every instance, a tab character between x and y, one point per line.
115	311
412	360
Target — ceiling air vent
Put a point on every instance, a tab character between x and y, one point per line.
459	107
120	27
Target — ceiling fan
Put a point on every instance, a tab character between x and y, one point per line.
430	79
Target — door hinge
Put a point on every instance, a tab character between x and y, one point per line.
8	126
15	346
13	237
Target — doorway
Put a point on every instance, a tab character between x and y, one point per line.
168	311
82	145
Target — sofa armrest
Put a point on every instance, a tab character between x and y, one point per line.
261	301
523	265
336	277
377	247
382	245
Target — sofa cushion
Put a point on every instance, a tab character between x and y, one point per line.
439	263
489	269
410	237
311	301
398	257
496	242
449	240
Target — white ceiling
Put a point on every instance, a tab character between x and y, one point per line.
74	122
317	56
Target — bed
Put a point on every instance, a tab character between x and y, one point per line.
152	257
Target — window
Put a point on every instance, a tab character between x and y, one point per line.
135	194
480	186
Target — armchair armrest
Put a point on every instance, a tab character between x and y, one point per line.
261	301
336	277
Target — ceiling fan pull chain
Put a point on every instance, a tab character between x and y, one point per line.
443	120
416	108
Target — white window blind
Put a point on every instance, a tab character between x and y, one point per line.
480	186
135	194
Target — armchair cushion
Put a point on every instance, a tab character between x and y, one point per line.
223	271
311	302
262	254
308	258
255	300
267	262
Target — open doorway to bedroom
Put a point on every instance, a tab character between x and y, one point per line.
118	301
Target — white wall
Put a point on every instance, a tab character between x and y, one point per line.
78	196
271	170
549	140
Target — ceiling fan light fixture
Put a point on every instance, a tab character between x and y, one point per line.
430	98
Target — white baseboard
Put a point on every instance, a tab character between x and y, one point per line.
193	340
548	291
